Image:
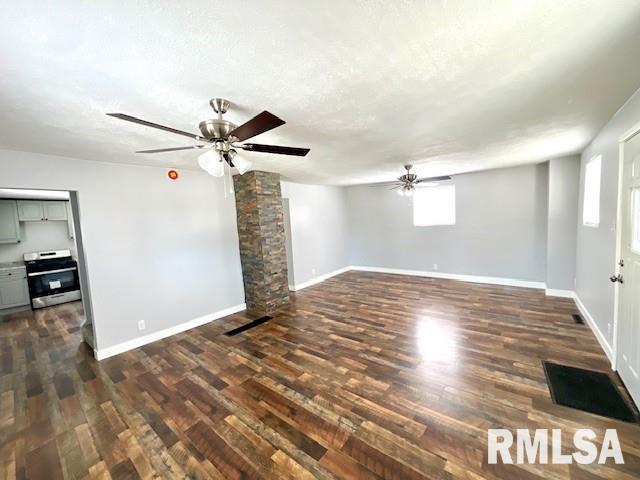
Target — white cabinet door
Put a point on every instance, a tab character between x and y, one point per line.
14	293
37	210
9	226
55	210
30	211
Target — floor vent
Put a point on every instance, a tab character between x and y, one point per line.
578	318
247	326
587	390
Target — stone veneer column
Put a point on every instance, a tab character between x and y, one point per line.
262	241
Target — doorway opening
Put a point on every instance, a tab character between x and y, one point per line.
43	274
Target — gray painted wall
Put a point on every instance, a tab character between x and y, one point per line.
319	229
288	241
500	227
38	237
161	251
564	180
596	247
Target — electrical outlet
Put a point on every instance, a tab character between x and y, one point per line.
141	325
313	271
435	266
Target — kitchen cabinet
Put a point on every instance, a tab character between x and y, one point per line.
30	211
55	211
41	210
9	226
14	290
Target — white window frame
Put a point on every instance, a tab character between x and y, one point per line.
425	191
591	199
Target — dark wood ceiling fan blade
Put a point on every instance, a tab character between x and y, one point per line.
174	149
433	179
129	118
261	123
257	147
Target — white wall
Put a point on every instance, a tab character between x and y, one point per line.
596	247
38	237
564	179
319	229
500	228
161	251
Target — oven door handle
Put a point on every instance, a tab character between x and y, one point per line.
35	274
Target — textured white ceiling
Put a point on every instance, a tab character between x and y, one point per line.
450	86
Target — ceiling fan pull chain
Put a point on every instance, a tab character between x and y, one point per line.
224	178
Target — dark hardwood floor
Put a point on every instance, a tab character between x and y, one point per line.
365	376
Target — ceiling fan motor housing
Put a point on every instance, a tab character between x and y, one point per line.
409	177
214	129
217	128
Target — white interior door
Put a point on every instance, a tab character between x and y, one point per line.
628	343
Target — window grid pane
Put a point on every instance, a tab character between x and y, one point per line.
434	206
635	221
591	202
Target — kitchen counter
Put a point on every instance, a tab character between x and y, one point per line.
11	265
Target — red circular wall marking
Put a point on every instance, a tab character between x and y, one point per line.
172	174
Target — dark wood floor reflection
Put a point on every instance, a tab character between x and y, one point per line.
365	376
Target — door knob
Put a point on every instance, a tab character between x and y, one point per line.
616	278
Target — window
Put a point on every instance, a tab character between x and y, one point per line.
434	206
635	220
591	204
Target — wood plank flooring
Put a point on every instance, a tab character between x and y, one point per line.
365	376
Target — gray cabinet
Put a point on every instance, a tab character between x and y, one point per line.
9	226
55	211
30	211
42	210
14	290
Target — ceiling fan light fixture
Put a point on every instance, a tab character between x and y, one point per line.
211	163
406	191
241	164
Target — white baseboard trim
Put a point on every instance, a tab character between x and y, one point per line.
455	276
552	292
318	279
101	354
602	340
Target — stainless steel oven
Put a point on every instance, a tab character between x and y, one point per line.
52	278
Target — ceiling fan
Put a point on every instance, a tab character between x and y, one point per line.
407	183
221	139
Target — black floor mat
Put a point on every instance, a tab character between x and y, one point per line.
586	390
247	326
